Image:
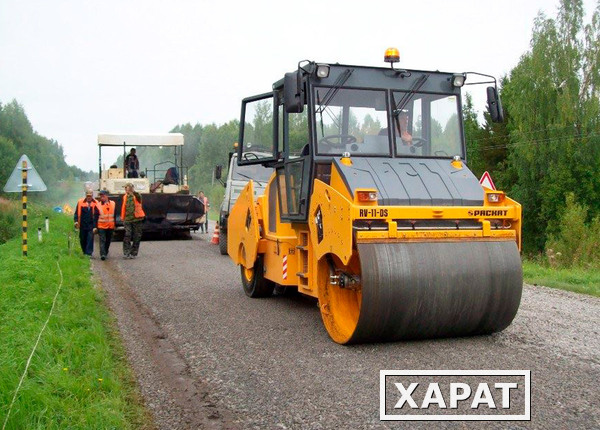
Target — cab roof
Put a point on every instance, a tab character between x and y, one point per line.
383	77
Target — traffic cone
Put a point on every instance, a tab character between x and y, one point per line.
215	238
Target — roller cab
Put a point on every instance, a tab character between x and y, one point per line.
372	208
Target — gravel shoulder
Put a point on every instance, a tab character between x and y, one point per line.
206	356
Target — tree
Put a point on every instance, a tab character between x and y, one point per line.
18	137
552	98
8	159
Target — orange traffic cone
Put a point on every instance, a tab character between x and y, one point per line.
215	238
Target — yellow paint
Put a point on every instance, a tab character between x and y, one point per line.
346	161
340	307
392	229
243	230
337	183
457	164
336	213
441	212
432	235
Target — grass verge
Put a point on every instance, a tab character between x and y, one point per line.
78	377
586	281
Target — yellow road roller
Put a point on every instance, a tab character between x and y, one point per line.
371	207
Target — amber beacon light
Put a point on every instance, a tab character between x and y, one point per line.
392	55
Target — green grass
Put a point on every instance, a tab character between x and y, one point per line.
586	281
10	219
78	378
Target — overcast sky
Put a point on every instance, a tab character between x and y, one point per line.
84	67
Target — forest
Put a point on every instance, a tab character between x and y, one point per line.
545	155
17	137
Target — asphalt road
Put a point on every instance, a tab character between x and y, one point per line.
206	356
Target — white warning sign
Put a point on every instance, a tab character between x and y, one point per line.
15	181
486	181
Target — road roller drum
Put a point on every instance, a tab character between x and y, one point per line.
426	290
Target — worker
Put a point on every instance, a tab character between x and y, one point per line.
132	164
133	216
86	221
106	223
204	200
401	125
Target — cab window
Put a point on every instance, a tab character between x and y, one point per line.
351	120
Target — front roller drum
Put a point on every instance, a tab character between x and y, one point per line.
425	290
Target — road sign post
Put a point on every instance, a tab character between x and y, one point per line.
24	200
30	181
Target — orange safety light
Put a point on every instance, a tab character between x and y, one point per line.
495	197
366	196
392	55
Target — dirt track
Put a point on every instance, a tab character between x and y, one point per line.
206	356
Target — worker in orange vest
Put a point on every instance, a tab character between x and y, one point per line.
133	216
86	221
106	223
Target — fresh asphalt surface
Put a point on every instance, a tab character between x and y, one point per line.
207	356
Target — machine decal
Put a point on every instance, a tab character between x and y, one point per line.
373	213
488	212
285	267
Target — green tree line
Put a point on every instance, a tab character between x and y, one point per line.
17	137
546	154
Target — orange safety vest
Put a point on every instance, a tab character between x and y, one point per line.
107	215
80	203
138	211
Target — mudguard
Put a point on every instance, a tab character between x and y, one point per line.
330	222
243	233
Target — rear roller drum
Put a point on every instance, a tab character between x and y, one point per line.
421	290
254	282
222	242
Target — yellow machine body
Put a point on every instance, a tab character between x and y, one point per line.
371	208
293	257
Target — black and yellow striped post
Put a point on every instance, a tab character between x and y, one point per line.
24	190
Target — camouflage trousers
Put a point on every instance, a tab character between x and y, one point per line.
132	238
